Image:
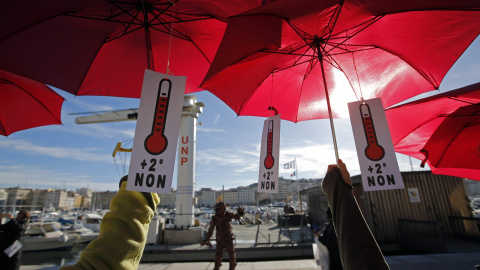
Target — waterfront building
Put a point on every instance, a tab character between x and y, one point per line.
206	197
3	198
101	200
51	198
230	197
246	196
86	197
168	200
16	198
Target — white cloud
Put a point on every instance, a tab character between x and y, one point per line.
217	117
80	154
40	177
210	130
313	159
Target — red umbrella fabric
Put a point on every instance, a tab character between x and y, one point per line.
368	48
25	104
102	47
442	130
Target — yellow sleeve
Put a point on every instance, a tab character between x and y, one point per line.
123	233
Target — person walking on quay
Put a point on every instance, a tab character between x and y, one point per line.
329	239
224	237
10	233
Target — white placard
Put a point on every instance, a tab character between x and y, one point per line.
13	248
378	163
413	195
156	133
269	153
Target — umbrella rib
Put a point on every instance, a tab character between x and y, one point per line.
124	10
31	25
335	17
245	102
331	60
297	60
124	34
160	12
407	62
39	102
298	33
345	51
449	144
177	18
184	21
365	24
130	24
418	126
468	102
173	34
76	15
287	53
290	66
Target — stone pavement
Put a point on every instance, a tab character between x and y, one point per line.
447	261
462	255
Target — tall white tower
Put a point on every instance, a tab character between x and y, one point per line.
185	197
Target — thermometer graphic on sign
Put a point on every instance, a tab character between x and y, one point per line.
156	142
373	151
269	161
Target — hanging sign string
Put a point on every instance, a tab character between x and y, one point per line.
271	97
358	79
170	41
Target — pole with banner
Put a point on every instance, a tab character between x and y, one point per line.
156	134
298	185
269	153
293	165
378	163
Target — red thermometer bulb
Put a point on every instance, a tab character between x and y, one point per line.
156	142
269	161
373	151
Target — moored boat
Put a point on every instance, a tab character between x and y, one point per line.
46	236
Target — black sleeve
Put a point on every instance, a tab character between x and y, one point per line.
358	248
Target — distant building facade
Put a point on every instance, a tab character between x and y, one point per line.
168	200
101	200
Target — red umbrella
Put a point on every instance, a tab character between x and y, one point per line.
442	130
102	47
26	104
359	48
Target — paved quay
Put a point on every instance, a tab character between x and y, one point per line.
449	261
461	254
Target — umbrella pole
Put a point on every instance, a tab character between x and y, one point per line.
148	40
320	59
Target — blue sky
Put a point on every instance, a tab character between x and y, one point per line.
73	156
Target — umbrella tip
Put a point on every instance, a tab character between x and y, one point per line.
271	108
424	152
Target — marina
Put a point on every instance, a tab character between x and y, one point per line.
462	254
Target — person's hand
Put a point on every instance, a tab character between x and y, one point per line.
343	171
206	243
241	211
316	234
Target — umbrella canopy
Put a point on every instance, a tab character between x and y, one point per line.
441	130
102	47
355	48
26	104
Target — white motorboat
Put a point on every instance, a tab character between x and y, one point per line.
91	221
46	236
81	233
